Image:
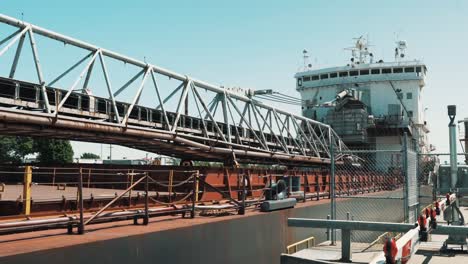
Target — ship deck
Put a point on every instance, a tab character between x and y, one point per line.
16	244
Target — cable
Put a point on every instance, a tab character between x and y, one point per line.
289	96
279	100
283	98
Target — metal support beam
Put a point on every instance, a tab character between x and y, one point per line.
13	41
70	90
17	56
332	191
70	69
121	89
220	132
109	87
136	98
161	103
225	116
182	98
371	226
39	70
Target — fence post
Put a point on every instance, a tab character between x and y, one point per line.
27	182
80	202
405	176
242	209
130	192
418	171
171	176
306	184
317	187
332	186
146	219
195	194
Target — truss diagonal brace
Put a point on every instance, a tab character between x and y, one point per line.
166	119
70	90
136	98
220	132
13	41
182	98
109	87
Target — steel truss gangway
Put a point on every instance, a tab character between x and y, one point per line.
230	127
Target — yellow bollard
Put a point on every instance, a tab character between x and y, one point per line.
27	182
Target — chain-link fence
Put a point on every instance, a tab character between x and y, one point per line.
379	185
435	172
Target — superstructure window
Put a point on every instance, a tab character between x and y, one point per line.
387	70
353	73
409	95
306	78
324	76
375	71
397	70
315	77
364	72
299	82
400	95
333	75
410	113
418	69
343	74
409	69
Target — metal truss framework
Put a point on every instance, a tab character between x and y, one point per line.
248	129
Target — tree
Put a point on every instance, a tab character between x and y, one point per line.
14	149
88	155
53	151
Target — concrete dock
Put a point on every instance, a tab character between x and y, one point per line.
427	252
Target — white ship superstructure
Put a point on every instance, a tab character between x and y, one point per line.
369	103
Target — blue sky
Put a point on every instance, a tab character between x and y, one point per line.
258	44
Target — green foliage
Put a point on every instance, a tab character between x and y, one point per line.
53	151
14	149
88	155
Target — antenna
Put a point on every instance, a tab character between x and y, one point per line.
400	50
305	56
360	51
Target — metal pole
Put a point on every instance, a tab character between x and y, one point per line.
453	145
306	184
332	186
242	209
346	245
317	188
452	110
418	171
146	219
195	194
80	202
405	175
27	182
